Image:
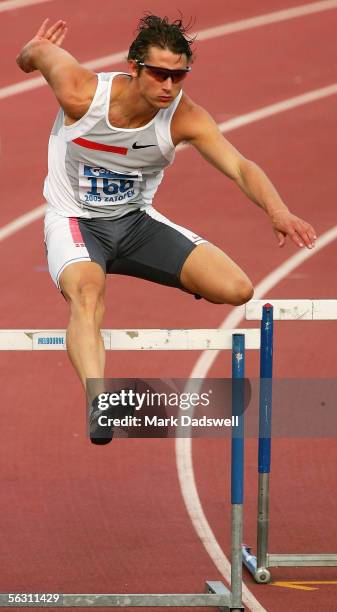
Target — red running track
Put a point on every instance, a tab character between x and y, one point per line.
77	518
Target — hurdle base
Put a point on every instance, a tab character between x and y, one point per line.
302	560
218	588
262	574
216	596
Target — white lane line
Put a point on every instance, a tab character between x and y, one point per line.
279	107
226	126
266	19
184	459
26	219
9	5
209	33
23	86
273	109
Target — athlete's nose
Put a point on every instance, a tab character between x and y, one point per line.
167	84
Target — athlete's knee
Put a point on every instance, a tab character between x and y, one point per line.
243	291
237	293
87	300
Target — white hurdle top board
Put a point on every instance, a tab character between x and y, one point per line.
294	310
132	339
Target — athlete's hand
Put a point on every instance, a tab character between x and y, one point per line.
54	34
300	232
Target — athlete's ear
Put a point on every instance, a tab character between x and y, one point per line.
133	68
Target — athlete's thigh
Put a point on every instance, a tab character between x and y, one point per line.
211	273
67	245
154	249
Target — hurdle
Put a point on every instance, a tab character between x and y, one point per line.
281	310
216	594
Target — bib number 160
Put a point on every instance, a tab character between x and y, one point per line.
109	187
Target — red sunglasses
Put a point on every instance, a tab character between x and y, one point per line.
161	74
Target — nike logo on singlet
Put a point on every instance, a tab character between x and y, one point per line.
135	146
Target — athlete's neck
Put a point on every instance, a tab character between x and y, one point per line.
128	108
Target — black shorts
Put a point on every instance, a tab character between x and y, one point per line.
143	244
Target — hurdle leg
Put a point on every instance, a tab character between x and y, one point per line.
258	566
217	594
237	471
262	574
309	310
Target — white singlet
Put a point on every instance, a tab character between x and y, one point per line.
98	170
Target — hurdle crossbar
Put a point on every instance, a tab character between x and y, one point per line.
294	310
307	310
131	339
216	595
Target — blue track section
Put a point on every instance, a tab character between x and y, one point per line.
238	373
266	382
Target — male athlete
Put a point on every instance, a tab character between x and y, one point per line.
112	138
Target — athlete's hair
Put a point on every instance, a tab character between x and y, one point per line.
159	32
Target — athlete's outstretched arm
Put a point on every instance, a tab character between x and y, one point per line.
205	136
73	85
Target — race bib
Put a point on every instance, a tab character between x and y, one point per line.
106	187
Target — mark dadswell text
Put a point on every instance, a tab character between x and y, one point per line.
180	421
187	421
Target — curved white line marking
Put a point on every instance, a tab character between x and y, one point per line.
184	445
209	33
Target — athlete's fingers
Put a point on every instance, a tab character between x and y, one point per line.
307	240
280	237
56	36
311	233
43	28
307	233
297	238
59	32
62	37
54	28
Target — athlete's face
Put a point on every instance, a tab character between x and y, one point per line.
157	87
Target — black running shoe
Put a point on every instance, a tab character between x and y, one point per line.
103	433
99	434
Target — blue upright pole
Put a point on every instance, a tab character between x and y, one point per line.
237	466
266	374
258	566
238	373
262	573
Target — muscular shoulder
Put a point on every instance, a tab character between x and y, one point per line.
77	95
189	121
